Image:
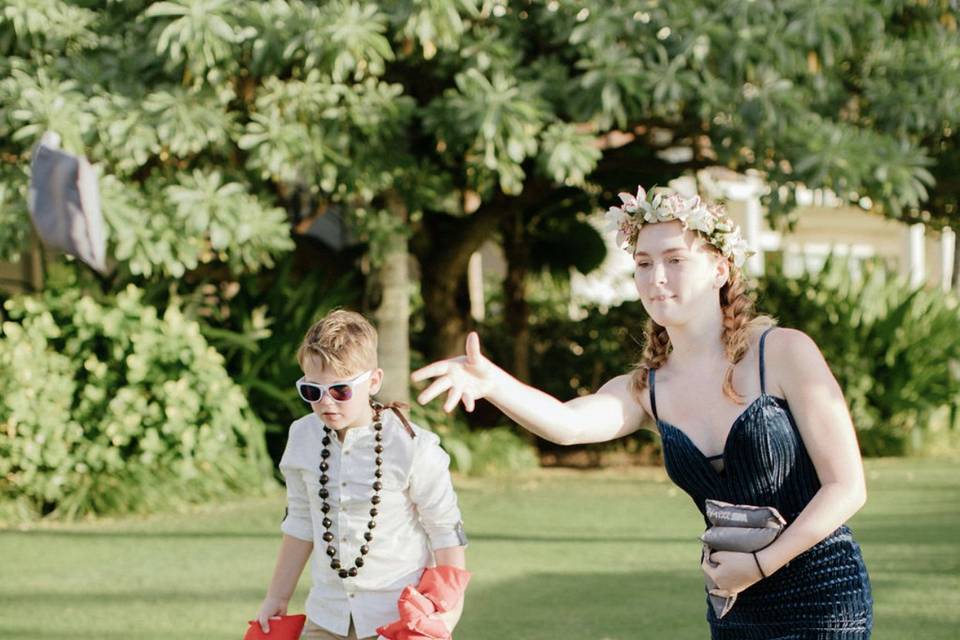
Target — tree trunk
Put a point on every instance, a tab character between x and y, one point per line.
516	247
32	264
393	314
444	248
955	280
446	315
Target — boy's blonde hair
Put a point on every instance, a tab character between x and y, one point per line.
343	341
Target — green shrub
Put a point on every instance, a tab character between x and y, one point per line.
894	350
258	322
478	452
571	357
107	407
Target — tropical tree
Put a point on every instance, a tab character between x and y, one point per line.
435	125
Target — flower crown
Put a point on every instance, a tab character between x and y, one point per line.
710	220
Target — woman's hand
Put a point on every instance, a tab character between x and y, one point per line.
270	607
731	571
465	378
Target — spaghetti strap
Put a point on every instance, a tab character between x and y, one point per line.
651	381
763	385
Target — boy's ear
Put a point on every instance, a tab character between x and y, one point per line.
376	381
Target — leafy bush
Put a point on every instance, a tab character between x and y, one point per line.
258	321
571	357
108	407
893	349
480	452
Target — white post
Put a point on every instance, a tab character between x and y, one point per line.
948	247
752	234
915	255
748	192
475	286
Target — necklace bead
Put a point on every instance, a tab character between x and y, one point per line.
324	493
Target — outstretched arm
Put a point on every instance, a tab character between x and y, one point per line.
609	413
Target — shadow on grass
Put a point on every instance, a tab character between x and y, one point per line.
586	539
917	529
22	633
274	535
147	535
588	606
153	597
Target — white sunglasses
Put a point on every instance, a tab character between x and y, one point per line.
311	392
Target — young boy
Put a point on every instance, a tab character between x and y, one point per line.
370	492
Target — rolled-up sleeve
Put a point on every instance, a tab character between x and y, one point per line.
431	490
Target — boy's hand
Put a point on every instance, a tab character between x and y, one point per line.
270	608
466	378
449	618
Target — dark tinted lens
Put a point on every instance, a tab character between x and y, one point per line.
310	392
341	392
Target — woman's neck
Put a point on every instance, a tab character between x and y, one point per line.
698	340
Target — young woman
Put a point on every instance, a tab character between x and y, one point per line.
747	414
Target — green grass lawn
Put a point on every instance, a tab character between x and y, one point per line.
557	554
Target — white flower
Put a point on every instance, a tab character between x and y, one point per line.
700	219
633	202
709	219
623	241
739	252
614	218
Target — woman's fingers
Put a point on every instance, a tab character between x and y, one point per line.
468	401
473	348
432	370
434	390
453	398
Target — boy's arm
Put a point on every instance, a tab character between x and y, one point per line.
297	542
431	490
293	556
454	557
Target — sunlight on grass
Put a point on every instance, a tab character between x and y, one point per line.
556	554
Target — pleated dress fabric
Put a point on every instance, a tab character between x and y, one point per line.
822	594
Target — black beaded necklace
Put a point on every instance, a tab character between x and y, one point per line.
374	500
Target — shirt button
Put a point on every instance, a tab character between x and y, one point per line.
346	453
344	538
343	484
352	594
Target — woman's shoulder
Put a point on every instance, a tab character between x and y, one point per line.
791	357
785	342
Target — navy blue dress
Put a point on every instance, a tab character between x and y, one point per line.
824	593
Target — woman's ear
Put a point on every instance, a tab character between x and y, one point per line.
722	274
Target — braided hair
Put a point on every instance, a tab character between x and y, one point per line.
739	321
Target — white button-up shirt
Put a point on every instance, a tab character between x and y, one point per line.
418	513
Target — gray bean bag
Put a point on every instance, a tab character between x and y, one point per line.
64	203
737	527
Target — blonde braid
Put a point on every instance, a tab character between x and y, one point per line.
655	351
738	321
